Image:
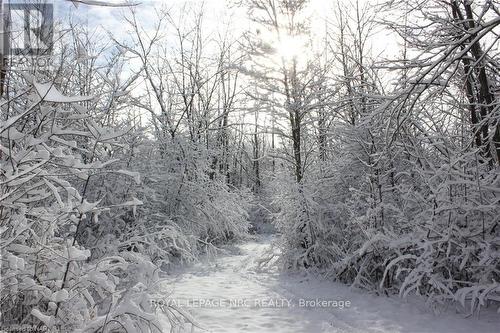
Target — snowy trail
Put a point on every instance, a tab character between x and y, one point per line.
264	298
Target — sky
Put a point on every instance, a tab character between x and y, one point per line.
216	12
110	19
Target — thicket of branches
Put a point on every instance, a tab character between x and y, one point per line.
93	204
132	155
396	165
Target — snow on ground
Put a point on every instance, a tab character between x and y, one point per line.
233	295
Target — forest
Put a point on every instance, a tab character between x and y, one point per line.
359	141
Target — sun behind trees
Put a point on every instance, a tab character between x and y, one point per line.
367	135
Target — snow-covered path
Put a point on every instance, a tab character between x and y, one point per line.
232	295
